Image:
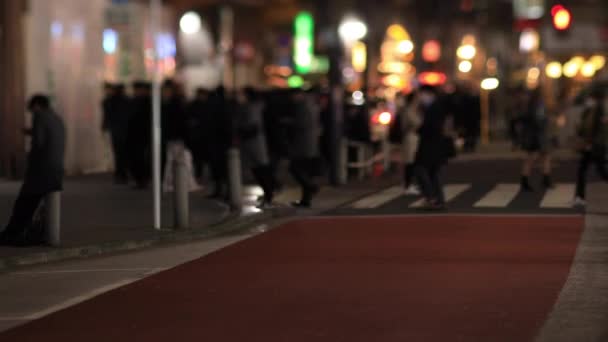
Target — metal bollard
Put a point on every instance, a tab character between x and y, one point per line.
181	193
52	218
235	179
343	170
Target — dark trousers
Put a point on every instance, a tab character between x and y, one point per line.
121	158
300	169
587	158
219	172
408	175
264	177
429	177
23	214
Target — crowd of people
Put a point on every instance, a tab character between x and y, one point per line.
268	126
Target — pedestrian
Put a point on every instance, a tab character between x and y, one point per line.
410	120
139	137
304	144
593	139
252	135
535	141
219	134
472	121
116	116
44	174
434	148
196	113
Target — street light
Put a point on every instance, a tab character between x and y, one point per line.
352	29
190	23
588	70
487	85
554	70
466	51
465	66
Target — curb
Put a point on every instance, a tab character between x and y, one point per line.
233	223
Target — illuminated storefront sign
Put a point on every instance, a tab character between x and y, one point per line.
303	53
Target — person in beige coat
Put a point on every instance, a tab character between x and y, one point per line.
411	120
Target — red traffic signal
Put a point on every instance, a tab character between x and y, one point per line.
562	18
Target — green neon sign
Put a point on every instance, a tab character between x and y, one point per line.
295	81
303	44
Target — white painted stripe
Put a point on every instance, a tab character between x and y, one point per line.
451	191
559	197
501	196
376	200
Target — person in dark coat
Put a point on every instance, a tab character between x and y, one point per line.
304	150
140	138
536	140
196	113
432	151
593	142
116	116
45	170
173	119
219	135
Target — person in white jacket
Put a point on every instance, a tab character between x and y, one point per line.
411	120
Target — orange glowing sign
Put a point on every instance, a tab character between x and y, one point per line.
432	78
561	17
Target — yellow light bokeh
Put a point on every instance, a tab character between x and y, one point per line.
405	46
466	51
553	70
397	32
570	69
465	66
588	70
359	56
490	83
598	61
469	39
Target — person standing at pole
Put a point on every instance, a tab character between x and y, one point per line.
304	146
536	141
44	174
196	113
219	133
433	150
593	139
139	138
115	122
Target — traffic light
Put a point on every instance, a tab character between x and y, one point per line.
562	18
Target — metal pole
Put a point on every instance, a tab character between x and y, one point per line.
235	179
155	18
485	116
52	218
181	191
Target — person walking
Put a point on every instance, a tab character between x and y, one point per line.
410	120
433	150
535	141
593	139
44	173
139	136
196	113
116	116
219	137
304	145
250	128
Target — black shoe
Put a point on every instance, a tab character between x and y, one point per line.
525	185
547	182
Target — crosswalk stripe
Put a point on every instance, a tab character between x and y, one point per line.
451	191
501	196
379	199
559	197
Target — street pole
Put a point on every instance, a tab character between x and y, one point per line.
155	19
484	99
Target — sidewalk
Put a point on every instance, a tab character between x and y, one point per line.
99	217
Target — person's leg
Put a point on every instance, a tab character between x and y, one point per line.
300	171
600	164
22	215
527	170
581	178
422	174
437	185
546	164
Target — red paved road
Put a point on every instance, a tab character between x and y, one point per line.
350	279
